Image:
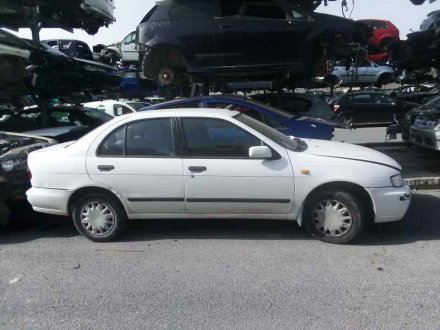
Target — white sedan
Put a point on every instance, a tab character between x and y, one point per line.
369	73
192	163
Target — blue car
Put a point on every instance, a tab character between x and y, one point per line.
287	123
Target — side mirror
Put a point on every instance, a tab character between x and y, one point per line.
260	152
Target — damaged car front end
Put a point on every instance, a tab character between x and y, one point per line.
27	69
14	176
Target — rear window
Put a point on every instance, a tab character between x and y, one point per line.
362	98
379	25
149	14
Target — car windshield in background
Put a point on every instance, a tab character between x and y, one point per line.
434	103
269	132
137	105
97	114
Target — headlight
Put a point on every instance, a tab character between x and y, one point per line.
397	180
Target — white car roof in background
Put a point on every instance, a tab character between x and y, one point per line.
196	112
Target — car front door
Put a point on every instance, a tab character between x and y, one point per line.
220	178
385	108
138	160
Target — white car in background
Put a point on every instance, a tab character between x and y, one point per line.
369	73
195	163
117	108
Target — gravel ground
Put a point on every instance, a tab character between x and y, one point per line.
221	274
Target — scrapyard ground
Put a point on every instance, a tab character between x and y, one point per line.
245	274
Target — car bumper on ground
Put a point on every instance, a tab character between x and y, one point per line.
51	201
390	203
425	137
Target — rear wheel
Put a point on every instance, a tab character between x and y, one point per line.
346	119
334	216
99	217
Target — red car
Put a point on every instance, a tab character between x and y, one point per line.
384	33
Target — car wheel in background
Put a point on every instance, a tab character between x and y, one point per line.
99	217
345	119
334	216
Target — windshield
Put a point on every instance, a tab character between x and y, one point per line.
97	114
269	132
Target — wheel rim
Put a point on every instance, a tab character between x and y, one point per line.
98	218
346	120
332	218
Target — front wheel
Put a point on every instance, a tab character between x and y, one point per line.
98	217
334	216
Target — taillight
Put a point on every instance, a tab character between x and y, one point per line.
29	173
336	107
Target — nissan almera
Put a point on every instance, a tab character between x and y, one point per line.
194	163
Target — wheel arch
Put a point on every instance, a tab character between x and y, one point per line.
162	52
363	196
93	189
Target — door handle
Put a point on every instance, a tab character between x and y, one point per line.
106	168
197	169
225	26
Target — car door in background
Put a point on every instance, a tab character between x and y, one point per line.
385	108
363	108
258	33
128	47
220	178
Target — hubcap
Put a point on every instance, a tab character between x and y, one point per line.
97	218
332	218
347	120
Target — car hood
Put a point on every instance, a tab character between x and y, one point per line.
331	149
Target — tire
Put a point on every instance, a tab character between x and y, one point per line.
340	211
383	80
385	44
346	119
103	206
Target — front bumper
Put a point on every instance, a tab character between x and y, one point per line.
425	137
390	203
50	201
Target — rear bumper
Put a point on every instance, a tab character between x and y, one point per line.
390	204
51	201
427	138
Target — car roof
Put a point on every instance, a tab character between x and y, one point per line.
182	112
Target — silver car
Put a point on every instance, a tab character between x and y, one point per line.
425	131
369	73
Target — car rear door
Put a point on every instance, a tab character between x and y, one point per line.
139	161
364	109
220	178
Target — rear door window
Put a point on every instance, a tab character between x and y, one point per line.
151	138
295	105
362	99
